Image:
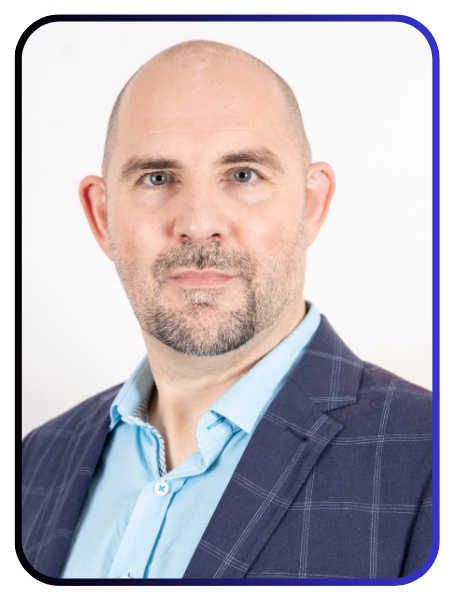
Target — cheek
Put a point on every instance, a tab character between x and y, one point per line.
259	231
135	233
270	229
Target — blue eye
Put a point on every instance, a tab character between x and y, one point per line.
158	178
244	175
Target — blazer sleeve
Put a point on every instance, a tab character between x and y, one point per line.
422	536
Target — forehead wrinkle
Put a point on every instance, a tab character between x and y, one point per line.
141	113
256	150
203	131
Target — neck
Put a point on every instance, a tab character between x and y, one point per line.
186	386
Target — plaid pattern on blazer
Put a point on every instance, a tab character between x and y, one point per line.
335	482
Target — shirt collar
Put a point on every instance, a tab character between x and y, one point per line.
246	401
133	393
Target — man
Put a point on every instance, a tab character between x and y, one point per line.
250	441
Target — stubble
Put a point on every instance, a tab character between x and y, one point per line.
203	326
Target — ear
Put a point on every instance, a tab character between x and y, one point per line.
93	198
320	185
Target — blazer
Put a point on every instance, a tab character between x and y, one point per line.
334	483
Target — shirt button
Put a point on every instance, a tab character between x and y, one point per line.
161	488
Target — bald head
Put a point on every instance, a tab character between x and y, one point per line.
206	52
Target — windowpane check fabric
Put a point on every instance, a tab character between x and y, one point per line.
335	481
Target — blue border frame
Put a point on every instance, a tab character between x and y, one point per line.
435	291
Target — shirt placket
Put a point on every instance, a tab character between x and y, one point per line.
143	528
149	512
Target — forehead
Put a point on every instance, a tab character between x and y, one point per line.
195	101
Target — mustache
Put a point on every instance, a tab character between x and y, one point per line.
210	256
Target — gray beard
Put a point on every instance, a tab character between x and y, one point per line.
186	331
201	328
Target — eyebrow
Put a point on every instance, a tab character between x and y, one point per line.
137	165
261	156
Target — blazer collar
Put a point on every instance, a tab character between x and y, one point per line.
329	373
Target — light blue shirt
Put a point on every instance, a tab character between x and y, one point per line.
139	522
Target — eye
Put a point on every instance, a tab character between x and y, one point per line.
158	178
244	175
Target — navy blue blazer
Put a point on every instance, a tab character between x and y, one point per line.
335	482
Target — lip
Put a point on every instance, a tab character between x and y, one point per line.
201	279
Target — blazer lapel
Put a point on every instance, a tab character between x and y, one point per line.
279	457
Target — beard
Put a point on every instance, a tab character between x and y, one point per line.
203	327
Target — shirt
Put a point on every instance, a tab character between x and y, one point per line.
138	521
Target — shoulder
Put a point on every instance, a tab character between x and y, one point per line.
387	410
388	431
65	426
406	405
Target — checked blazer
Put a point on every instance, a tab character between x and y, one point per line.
334	483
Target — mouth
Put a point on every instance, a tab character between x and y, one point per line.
201	279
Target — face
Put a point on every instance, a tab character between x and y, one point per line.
206	204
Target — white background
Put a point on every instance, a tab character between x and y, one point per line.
365	93
432	14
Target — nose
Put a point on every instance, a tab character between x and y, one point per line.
200	216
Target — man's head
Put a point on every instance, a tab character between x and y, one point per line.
207	172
